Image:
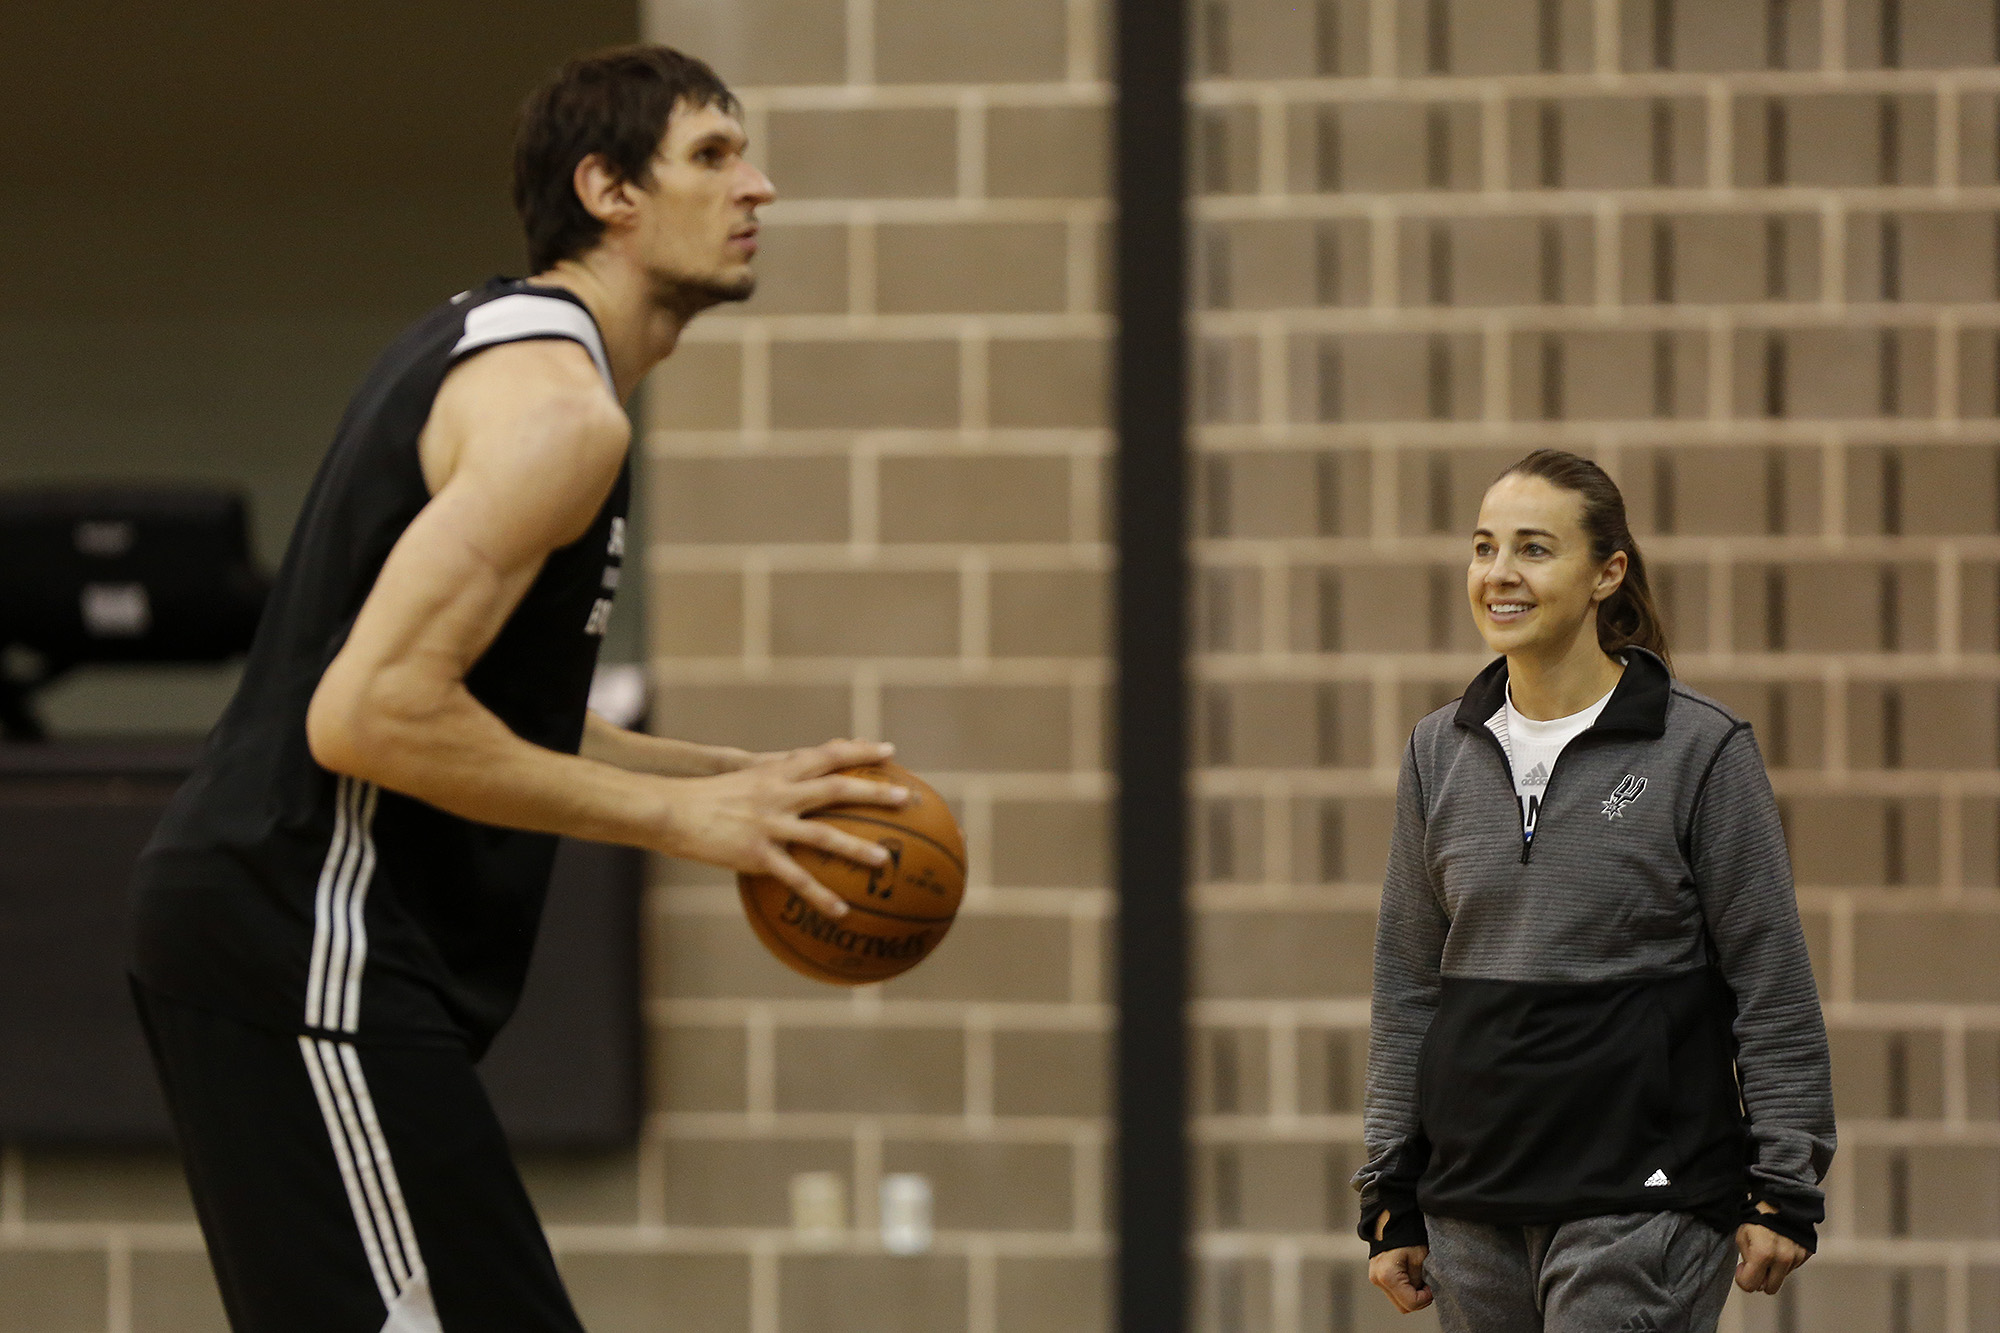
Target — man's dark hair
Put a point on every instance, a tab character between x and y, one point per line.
615	103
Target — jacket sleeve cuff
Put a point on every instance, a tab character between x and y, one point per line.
1406	1225
1794	1223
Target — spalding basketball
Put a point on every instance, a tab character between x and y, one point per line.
897	912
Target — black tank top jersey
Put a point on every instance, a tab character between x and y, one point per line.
288	895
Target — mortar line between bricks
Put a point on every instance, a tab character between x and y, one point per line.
575	1238
118	1285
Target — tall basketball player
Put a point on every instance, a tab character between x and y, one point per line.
336	913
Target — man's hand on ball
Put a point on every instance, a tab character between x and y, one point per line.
748	819
1766	1258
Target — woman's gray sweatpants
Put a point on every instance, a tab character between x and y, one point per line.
1629	1273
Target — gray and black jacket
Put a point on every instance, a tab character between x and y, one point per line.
1617	1016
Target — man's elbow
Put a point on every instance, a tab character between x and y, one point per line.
334	732
367	728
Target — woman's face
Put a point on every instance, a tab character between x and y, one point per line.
1532	581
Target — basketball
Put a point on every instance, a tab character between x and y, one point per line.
897	912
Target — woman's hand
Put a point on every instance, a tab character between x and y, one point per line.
1401	1274
1767	1258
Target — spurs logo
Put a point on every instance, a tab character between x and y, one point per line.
1629	790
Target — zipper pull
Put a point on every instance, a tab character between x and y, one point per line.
1526	843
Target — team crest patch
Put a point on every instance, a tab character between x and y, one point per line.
1629	790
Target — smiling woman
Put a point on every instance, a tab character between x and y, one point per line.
1584	1008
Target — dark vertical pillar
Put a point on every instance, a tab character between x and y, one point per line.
1152	641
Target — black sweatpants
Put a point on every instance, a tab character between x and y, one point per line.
350	1188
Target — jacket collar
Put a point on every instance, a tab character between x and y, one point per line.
1638	703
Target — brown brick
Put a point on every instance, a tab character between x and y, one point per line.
1953	1193
1721	492
1051	1073
1861	1298
758	42
1938	34
971	266
95	1185
1603	376
1492	261
1049	844
1271	1187
878	613
975	498
695	615
1384	609
864	385
1381	146
1979	600
1047	152
1935	956
800	270
710	956
1047	382
829	1294
991	1186
1887	1075
51	1291
1233	1292
1943	257
757	717
631	1293
698	1068
1048	613
1837	606
1936	724
879	1071
992	728
1284	955
1606	142
1261	265
748	499
994	958
955	41
174	1292
588	1188
699	387
1850	840
1230	1070
1944	490
1054	1296
1718	35
1835	139
864	154
1387	377
1260	724
742	1182
1332	1071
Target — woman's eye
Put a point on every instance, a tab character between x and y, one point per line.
1535	548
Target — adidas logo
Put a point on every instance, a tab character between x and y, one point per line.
1538	776
1639	1323
1657	1179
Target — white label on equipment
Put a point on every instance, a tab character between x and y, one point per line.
116	610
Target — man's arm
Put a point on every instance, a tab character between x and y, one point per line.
523	446
638	752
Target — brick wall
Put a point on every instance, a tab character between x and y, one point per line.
877	508
1743	254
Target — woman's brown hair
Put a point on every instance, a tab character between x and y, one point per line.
1628	618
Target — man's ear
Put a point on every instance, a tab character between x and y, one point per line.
605	194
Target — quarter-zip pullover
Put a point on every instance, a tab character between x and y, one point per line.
1616	1016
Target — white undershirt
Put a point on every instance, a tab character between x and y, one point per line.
1532	748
